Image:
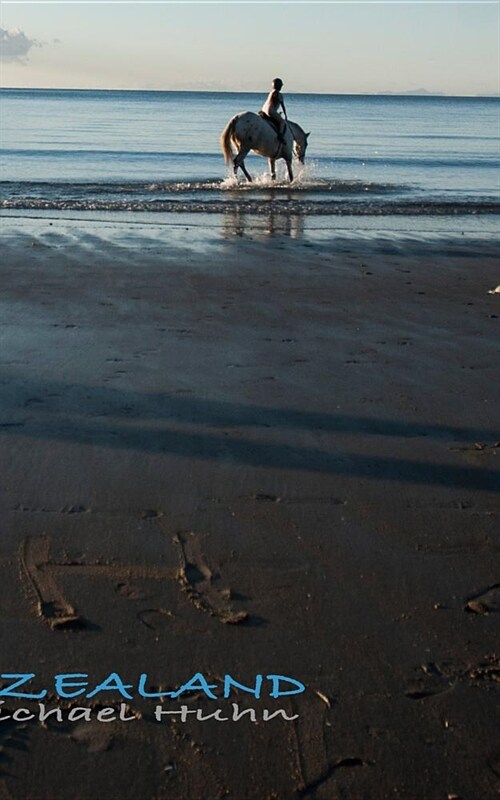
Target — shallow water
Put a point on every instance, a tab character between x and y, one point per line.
131	152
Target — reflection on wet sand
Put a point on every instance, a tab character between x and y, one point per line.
239	222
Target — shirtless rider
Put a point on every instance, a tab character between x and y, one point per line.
272	107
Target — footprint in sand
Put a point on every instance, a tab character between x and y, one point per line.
197	581
435	679
486	601
52	606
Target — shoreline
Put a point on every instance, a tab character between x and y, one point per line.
446	231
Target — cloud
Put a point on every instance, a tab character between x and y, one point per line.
15	45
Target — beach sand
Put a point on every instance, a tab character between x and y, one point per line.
252	455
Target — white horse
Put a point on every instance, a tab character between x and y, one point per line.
249	131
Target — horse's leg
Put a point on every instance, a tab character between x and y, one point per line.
289	168
239	161
272	167
247	174
236	163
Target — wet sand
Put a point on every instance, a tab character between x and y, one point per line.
252	455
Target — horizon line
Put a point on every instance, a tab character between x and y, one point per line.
388	93
253	2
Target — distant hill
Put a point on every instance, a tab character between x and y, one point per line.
417	92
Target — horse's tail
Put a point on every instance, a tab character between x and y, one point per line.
225	140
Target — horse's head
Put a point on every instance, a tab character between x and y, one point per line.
300	145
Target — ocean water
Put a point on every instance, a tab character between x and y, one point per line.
158	152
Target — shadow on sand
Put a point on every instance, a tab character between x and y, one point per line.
121	419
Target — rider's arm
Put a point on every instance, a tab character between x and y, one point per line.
283	107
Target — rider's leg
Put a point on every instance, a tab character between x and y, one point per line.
280	124
281	135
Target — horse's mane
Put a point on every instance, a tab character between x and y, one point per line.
296	125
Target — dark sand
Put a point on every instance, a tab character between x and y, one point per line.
243	456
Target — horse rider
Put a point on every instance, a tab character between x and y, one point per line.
272	107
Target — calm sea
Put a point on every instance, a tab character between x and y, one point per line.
137	151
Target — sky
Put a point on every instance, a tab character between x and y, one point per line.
349	47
